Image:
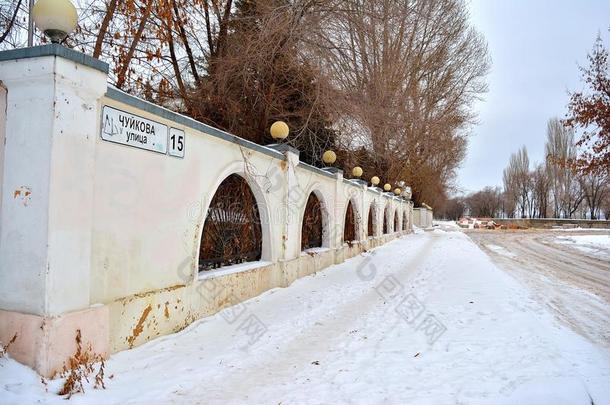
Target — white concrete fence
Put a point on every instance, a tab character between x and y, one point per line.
103	237
422	217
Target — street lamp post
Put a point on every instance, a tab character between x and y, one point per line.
30	23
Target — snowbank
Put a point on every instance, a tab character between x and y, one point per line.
596	245
579	229
448	225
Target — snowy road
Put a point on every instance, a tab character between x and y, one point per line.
573	284
427	319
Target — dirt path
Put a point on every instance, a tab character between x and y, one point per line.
576	286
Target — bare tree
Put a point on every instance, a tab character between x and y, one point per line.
605	204
13	24
265	75
408	73
595	188
485	203
389	84
517	181
103	30
509	207
453	209
559	149
540	191
556	185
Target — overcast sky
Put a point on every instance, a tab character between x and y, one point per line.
536	47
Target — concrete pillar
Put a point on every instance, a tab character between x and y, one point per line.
51	125
292	198
337	216
363	211
2	141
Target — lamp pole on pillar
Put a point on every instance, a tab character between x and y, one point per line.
279	131
375	181
329	158
30	23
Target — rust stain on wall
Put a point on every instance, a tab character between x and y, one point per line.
149	293
166	312
24	194
139	327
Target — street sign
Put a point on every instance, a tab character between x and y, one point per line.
131	130
176	142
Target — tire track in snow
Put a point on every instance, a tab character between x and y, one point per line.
575	287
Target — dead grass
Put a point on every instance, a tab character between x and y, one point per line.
513	226
80	367
4	348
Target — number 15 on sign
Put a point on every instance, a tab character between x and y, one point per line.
176	142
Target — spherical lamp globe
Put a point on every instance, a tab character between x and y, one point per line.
279	130
329	157
56	18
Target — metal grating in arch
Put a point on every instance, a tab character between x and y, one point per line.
232	229
349	228
311	230
370	231
396	229
385	220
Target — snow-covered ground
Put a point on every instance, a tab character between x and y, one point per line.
427	319
596	245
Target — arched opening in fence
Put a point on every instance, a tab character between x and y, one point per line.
232	230
349	227
396	228
404	221
386	220
311	230
369	222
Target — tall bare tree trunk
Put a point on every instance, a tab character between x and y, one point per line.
97	50
187	47
125	63
177	73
